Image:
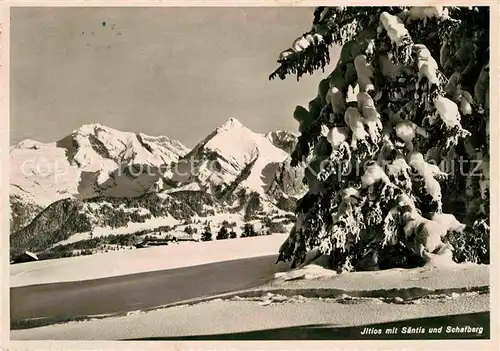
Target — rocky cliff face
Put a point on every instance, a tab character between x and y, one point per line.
287	186
283	139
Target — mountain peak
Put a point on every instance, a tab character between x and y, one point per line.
90	128
91	162
230	124
27	144
240	156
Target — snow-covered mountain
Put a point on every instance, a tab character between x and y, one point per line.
232	157
94	160
100	177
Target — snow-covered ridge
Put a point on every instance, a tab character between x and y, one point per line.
89	162
232	155
125	146
99	161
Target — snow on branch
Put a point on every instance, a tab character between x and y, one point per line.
398	35
332	25
427	66
371	117
307	54
389	108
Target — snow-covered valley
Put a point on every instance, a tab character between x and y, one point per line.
99	182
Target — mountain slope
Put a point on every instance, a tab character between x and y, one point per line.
70	216
232	157
98	179
94	160
23	209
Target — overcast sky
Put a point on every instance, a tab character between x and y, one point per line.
178	72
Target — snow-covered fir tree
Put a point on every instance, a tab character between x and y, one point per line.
207	234
222	234
396	140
